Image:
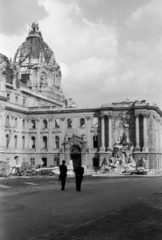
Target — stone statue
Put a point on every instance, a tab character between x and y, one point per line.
35	29
17	73
3	66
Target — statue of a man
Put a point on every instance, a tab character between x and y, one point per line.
3	66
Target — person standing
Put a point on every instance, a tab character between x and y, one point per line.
63	174
79	171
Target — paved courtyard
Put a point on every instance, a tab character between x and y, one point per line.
106	208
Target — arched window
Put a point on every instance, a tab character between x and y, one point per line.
82	122
15	141
16	122
33	126
23	123
7	140
16	160
32	142
44	142
57	123
32	161
69	123
23	142
95	122
44	124
95	141
7	121
57	142
24	102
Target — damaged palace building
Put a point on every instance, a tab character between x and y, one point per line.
40	126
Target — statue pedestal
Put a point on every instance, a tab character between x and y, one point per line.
102	149
109	149
145	149
137	149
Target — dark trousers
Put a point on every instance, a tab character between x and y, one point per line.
78	182
63	180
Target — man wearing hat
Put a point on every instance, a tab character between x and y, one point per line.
63	174
79	171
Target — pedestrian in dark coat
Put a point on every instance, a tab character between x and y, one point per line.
79	171
63	174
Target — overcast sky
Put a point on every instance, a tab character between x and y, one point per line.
108	50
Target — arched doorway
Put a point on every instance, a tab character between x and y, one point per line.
75	155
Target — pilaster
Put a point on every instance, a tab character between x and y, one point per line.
145	145
89	141
137	147
102	148
109	132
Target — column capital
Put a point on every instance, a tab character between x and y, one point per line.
88	118
102	116
109	115
50	119
136	115
62	119
145	115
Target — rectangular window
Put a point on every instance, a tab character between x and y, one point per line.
16	99
8	97
57	123
32	161
24	102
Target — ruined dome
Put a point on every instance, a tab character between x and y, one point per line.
34	50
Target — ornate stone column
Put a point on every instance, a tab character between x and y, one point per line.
109	132
145	147
27	135
159	139
11	132
160	123
137	147
89	142
19	135
38	137
102	148
62	128
50	140
2	127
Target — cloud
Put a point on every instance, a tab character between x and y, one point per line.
16	15
85	49
146	22
97	66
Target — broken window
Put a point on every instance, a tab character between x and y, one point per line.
57	142
23	142
44	142
15	141
32	142
69	123
82	122
95	141
57	123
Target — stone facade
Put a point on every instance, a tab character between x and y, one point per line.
40	126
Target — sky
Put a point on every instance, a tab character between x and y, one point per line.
108	50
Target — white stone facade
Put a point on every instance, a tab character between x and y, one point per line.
38	125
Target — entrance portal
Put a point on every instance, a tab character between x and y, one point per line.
75	155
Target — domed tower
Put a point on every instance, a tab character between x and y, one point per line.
36	66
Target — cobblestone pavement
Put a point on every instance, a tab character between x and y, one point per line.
114	208
137	222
